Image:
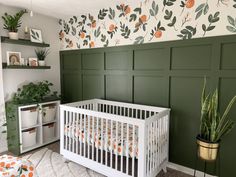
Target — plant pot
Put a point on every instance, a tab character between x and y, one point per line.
42	63
13	35
207	150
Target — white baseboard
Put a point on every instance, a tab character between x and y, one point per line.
187	170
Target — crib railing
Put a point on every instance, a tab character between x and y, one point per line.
107	134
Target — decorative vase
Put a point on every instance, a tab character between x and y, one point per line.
207	150
13	35
42	62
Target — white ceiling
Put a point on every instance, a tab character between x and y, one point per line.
63	8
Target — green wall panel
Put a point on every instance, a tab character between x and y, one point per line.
168	74
118	87
119	60
93	61
72	87
227	91
149	90
191	57
228	61
93	86
71	61
185	93
150	59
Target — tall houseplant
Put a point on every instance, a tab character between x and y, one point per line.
213	125
12	23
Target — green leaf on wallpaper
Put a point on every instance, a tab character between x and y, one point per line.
168	15
73	32
139	40
138	9
75	19
154	10
206	9
133	17
200	7
231	20
231	29
111	13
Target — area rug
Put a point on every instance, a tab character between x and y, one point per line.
52	164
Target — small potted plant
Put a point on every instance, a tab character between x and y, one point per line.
41	55
213	125
12	23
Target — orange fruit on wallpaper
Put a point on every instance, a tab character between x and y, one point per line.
2	164
82	35
93	24
143	18
158	34
190	3
112	27
30	174
31	168
71	44
127	10
61	35
92	44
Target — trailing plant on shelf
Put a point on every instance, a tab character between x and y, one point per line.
213	125
33	93
41	55
12	23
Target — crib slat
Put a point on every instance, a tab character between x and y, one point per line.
116	166
77	128
106	142
71	129
127	150
88	135
97	140
74	131
84	139
80	134
122	147
102	139
111	144
93	138
133	149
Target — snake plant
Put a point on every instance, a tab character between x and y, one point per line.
213	126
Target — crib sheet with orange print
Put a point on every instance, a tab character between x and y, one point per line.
16	167
106	136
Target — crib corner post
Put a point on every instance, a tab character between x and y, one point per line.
142	141
61	115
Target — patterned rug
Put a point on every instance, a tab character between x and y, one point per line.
52	164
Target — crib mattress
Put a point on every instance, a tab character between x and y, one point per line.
103	136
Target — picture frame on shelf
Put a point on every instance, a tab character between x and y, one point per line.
13	58
33	61
36	35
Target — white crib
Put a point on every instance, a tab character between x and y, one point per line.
115	138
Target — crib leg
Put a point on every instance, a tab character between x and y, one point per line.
65	160
165	169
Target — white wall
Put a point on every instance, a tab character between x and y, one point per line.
12	78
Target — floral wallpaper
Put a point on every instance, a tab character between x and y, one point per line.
149	21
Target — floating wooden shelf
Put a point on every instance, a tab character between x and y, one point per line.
22	42
5	66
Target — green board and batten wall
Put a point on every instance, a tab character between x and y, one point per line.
168	74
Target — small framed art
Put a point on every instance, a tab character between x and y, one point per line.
13	58
33	62
36	35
